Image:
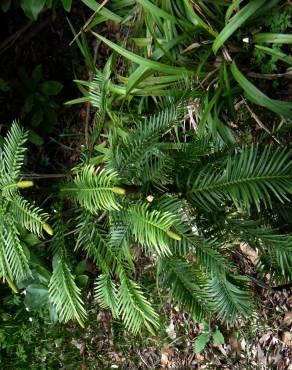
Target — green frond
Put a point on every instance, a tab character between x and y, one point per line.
275	249
134	308
120	238
98	96
28	215
16	259
65	295
105	292
187	286
13	152
247	178
210	257
95	189
138	157
13	260
152	229
230	297
93	240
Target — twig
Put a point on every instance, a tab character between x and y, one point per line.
12	39
43	176
270	76
259	122
88	21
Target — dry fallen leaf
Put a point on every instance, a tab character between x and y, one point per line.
166	352
250	253
287	338
170	330
287	320
234	343
265	337
260	354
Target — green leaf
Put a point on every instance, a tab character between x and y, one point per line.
196	19
94	189
65	295
31	240
80	268
272	38
275	53
37	296
67	4
4	86
256	96
161	67
218	337
201	342
51	87
105	292
82	280
106	13
5	5
35	138
32	8
134	308
235	22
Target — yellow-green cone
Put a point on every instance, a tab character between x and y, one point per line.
48	229
173	235
24	184
118	190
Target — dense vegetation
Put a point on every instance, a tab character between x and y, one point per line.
180	158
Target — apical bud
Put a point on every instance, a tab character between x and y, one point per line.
173	235
48	229
24	184
118	190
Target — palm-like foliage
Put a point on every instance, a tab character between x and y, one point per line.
246	179
65	295
16	211
189	225
95	189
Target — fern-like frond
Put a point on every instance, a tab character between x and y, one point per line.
248	178
134	308
138	156
95	190
16	259
275	249
93	240
230	297
98	95
14	150
105	292
152	228
65	295
31	217
187	286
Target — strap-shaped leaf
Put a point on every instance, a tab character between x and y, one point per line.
256	96
235	22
